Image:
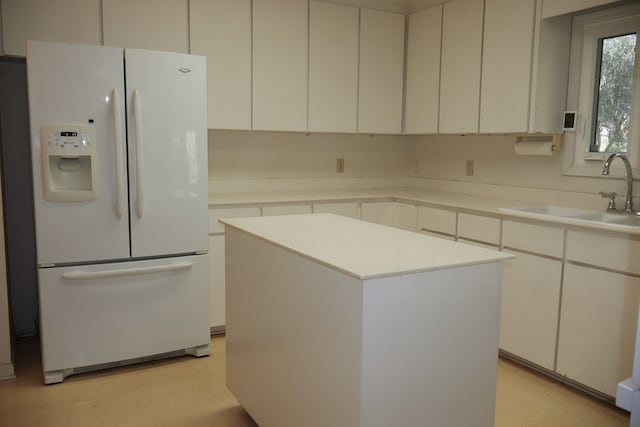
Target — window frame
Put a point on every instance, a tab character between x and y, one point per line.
588	29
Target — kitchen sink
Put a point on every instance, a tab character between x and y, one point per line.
576	215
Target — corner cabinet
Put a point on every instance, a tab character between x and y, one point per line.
422	94
280	65
506	65
381	72
221	31
333	67
461	65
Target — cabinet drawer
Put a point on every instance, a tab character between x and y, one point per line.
533	238
439	220
614	251
216	213
480	228
286	210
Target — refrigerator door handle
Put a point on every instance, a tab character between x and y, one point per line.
117	132
88	275
137	118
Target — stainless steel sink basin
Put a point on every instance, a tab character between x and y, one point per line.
576	215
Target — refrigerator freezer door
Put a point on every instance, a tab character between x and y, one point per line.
168	178
111	312
73	84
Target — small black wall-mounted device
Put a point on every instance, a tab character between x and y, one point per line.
569	120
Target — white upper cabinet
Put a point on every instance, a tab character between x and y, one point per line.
221	31
280	65
506	65
423	71
333	67
69	21
381	72
146	24
461	66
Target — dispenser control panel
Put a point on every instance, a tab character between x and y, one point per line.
68	162
69	141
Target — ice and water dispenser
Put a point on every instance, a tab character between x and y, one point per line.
68	162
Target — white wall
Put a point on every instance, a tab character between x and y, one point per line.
444	158
257	155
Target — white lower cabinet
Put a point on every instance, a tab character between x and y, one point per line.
393	214
597	326
286	210
530	303
216	282
377	212
479	228
437	222
405	216
349	209
216	261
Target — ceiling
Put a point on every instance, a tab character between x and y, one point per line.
402	6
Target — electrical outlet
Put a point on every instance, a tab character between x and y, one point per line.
469	168
340	165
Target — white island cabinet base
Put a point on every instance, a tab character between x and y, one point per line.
312	342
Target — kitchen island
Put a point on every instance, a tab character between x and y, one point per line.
333	321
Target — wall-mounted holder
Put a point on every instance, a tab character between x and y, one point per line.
68	162
537	144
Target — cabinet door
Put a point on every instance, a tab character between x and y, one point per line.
378	212
221	31
597	327
529	313
24	20
216	282
333	67
460	71
286	210
146	24
381	72
423	71
349	209
480	228
405	216
280	65
506	65
437	220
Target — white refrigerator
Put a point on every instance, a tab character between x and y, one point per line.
119	156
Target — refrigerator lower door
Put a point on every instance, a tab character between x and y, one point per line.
92	316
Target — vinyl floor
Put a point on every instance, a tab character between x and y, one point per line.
191	392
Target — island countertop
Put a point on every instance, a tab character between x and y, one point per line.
360	249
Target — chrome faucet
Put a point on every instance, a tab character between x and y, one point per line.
628	204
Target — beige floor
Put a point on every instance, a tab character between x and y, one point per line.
191	392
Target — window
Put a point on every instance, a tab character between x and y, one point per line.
604	88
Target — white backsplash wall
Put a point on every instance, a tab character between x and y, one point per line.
246	155
444	158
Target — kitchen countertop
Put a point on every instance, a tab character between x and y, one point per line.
440	199
332	240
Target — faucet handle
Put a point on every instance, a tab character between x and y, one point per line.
612	199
